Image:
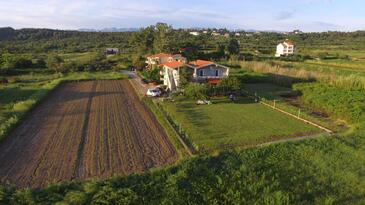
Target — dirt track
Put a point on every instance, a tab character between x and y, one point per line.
93	129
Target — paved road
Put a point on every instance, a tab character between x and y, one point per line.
137	82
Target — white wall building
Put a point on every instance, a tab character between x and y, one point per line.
285	48
194	33
171	74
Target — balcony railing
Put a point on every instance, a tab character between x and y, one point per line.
210	77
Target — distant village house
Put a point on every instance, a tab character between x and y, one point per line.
285	48
111	51
194	33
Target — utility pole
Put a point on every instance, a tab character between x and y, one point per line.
299	113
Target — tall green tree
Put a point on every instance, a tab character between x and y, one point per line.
161	39
233	47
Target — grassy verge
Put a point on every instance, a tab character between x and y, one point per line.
315	171
167	127
25	92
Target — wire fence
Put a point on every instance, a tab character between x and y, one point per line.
179	130
274	105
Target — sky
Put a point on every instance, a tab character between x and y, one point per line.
278	15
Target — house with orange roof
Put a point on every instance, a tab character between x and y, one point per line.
285	48
171	74
157	60
200	71
207	71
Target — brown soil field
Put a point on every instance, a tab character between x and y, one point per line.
84	130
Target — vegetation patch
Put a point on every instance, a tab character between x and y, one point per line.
315	171
342	103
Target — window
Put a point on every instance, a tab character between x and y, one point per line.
216	72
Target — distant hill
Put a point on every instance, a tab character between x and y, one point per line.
112	29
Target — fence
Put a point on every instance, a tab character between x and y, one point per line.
297	116
186	141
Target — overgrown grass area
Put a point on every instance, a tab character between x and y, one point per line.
23	92
314	171
358	65
225	124
343	103
79	57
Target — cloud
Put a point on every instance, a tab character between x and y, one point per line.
272	15
284	15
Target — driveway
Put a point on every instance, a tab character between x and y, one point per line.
137	82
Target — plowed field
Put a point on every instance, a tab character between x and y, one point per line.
84	130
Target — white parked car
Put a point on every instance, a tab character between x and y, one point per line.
154	92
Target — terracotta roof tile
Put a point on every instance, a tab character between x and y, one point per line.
173	64
200	63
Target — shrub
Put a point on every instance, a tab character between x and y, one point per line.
196	91
228	85
340	102
152	75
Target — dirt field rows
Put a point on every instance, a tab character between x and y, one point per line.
93	129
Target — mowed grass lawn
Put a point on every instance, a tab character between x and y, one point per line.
244	123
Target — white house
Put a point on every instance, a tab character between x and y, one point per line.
171	74
194	33
285	48
161	58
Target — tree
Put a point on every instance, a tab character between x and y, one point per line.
196	91
233	47
231	84
160	43
184	77
55	62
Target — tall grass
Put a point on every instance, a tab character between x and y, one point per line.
283	75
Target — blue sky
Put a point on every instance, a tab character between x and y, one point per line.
281	15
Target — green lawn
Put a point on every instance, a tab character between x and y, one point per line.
271	92
243	123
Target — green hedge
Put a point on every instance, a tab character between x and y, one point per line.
340	102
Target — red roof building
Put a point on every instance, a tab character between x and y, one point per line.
200	63
173	64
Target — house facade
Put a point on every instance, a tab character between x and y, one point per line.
285	48
171	74
200	71
207	71
161	58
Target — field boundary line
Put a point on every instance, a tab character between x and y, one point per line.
292	115
265	144
187	148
